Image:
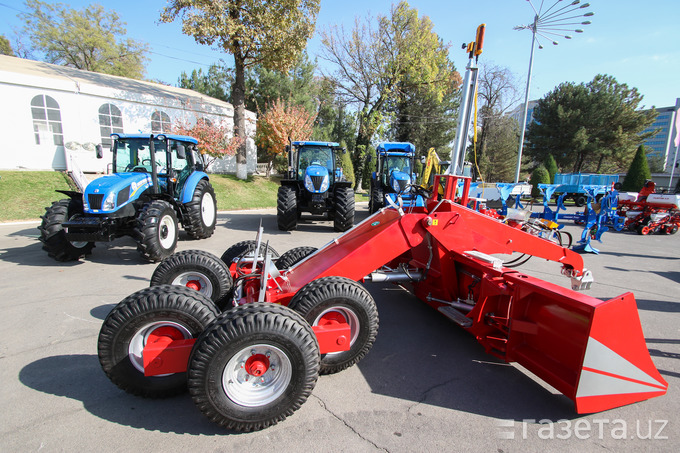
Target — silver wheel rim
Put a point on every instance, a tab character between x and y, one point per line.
166	232
253	390
351	318
208	209
140	338
185	278
76	244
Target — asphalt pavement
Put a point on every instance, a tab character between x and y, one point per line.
426	385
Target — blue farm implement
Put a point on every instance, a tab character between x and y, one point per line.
157	181
285	320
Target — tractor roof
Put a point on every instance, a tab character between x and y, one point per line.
181	138
328	144
404	147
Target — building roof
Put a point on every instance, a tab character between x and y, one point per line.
20	71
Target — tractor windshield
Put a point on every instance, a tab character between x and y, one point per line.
315	155
397	163
133	154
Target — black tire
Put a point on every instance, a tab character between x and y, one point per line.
122	336
286	209
197	270
580	200
53	235
156	230
376	202
294	256
240	249
201	215
343	206
256	365
351	300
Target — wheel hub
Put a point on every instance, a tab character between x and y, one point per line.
257	365
194	284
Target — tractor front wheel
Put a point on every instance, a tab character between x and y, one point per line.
376	202
53	235
256	365
201	212
197	270
156	230
286	209
339	298
343	207
175	311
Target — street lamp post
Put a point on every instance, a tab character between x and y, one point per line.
548	22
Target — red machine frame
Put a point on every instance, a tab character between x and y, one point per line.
592	351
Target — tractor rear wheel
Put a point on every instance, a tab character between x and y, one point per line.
256	365
286	209
294	256
201	214
340	297
53	235
156	230
197	270
343	206
181	313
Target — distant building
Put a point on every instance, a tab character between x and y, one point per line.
662	144
53	111
518	112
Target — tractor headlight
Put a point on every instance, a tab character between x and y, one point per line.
309	185
109	203
324	184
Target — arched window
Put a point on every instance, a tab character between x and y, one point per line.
160	122
46	121
110	122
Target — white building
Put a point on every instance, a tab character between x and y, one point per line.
50	111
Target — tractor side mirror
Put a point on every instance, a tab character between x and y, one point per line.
423	159
181	151
287	149
99	151
344	150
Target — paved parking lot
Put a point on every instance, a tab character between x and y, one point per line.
425	386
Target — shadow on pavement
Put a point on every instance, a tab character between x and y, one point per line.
421	356
80	378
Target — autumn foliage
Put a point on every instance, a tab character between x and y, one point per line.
214	140
280	122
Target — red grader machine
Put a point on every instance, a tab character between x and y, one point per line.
249	334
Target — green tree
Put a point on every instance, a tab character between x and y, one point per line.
214	83
345	162
5	46
589	127
374	65
92	39
501	138
638	172
272	33
539	176
551	166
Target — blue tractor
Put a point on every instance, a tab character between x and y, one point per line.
314	184
393	178
157	181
